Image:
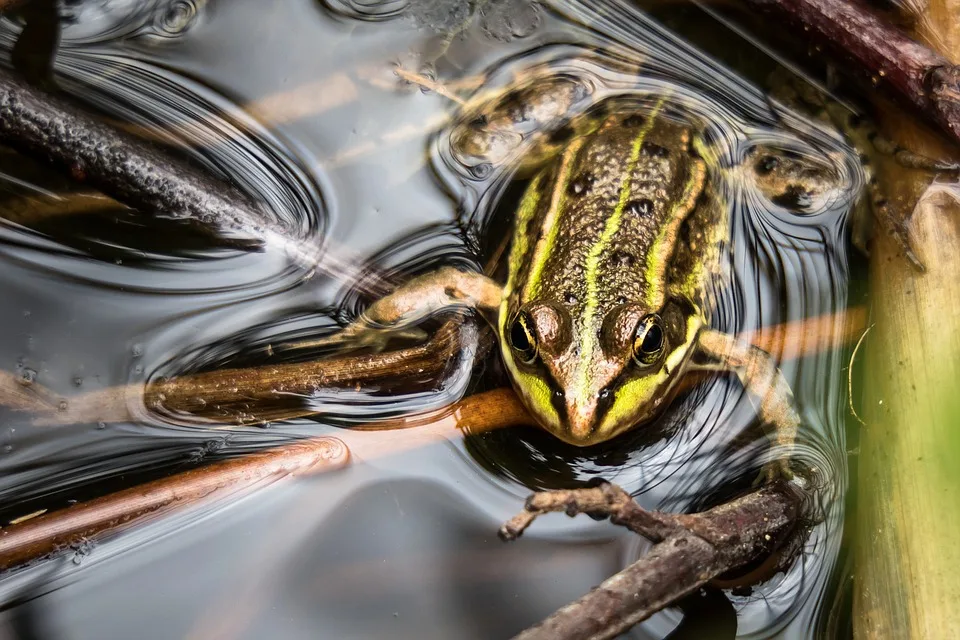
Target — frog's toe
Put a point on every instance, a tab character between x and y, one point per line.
773	471
902	235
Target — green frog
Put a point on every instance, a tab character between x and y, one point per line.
615	243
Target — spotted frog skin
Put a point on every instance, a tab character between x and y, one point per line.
616	239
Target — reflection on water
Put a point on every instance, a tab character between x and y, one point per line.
355	169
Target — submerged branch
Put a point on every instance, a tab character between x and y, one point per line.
130	170
691	550
264	393
33	538
242	395
43	535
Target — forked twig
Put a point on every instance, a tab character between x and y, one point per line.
690	551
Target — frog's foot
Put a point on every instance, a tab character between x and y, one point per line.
775	470
895	225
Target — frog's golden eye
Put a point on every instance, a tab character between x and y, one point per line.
523	338
648	342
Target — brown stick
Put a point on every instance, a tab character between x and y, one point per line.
876	54
238	391
46	534
234	394
691	550
43	535
125	168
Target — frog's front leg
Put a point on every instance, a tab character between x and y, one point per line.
397	314
760	376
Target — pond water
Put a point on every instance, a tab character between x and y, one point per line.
340	117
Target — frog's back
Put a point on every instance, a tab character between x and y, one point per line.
610	221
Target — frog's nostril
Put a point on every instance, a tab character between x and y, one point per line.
766	164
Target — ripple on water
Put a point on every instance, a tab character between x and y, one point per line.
784	263
193	120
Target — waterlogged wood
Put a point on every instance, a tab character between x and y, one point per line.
126	168
49	533
234	395
690	551
203	393
907	582
61	530
878	55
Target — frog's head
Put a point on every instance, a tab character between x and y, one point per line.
588	383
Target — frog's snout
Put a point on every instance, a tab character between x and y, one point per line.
580	426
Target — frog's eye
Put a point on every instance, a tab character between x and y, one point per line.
523	338
648	342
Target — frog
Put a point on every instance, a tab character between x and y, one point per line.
605	310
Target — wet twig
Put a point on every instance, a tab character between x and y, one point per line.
128	169
690	551
43	535
875	53
49	533
239	395
264	393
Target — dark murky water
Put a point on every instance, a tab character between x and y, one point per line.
302	108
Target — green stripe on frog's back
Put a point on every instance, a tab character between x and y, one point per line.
600	250
537	391
519	248
548	225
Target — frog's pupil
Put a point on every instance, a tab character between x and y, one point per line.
519	337
652	341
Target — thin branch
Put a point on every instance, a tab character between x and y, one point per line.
49	533
876	54
691	550
240	395
125	168
42	535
